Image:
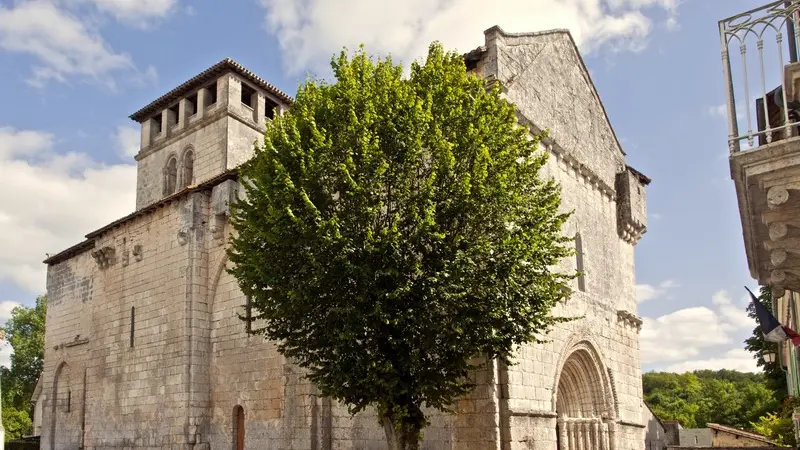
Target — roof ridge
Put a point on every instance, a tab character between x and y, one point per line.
227	63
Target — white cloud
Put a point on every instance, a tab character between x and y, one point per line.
686	333
5	310
734	315
62	43
310	31
734	359
127	140
645	292
717	111
50	200
5	313
136	12
5	355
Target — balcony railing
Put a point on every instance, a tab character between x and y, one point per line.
769	115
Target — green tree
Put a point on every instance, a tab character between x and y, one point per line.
24	332
395	233
777	428
775	376
696	398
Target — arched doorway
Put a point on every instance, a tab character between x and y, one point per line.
238	427
584	403
61	407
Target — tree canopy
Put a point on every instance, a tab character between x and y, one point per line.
394	229
24	332
696	398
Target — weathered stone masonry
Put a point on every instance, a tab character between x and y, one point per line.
145	349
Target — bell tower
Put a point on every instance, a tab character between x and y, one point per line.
202	129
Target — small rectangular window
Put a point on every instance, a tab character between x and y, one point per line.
269	109
212	93
192	104
157	123
173	116
248	96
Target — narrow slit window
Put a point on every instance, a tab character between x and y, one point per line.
579	262
248	314
69	401
133	323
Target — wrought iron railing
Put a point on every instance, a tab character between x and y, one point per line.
776	117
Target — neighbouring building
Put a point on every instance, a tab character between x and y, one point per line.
762	87
720	437
657	433
145	348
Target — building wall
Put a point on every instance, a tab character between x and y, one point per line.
208	139
722	439
655	437
137	395
543	76
192	362
696	437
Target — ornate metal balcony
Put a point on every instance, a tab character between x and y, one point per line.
765	160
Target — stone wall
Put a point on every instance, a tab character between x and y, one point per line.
542	74
208	140
192	363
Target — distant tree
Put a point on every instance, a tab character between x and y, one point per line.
24	332
396	228
697	398
775	376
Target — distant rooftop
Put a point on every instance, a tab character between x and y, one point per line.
226	65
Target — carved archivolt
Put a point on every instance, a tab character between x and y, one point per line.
582	386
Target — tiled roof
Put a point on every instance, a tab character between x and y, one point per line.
88	244
226	65
738	432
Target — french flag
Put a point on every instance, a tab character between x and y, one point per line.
772	329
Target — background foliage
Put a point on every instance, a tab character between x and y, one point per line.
24	332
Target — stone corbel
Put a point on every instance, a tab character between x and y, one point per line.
183	236
629	319
104	257
138	252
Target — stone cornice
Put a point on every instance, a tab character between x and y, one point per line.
569	163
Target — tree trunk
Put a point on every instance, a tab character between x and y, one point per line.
404	437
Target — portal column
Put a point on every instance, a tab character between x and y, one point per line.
563	439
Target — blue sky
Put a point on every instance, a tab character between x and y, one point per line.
72	71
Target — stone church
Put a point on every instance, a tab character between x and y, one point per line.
146	349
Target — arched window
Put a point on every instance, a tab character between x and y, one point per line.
187	168
171	176
579	262
238	427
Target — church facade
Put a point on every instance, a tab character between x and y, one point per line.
145	347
